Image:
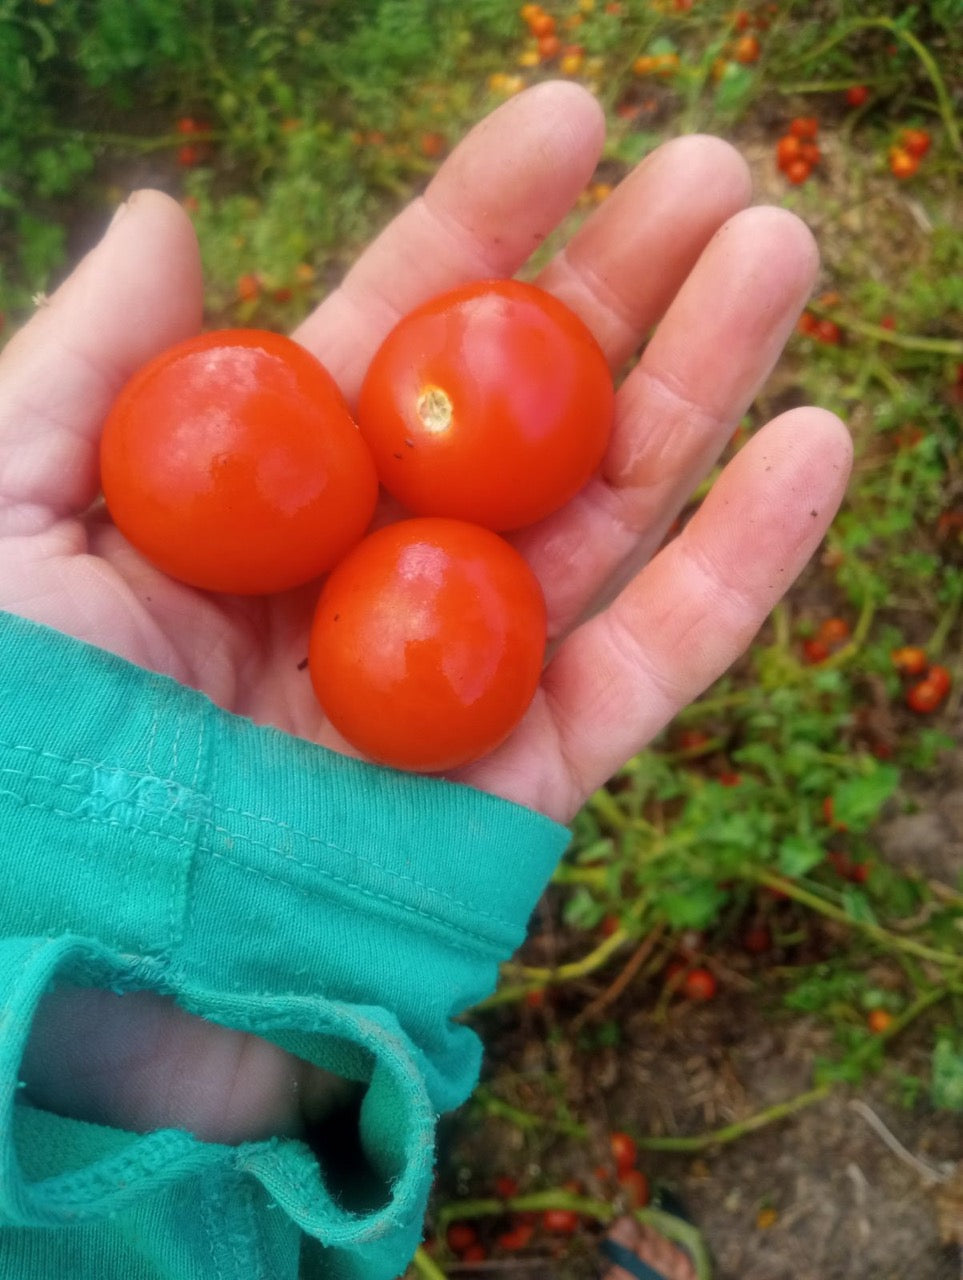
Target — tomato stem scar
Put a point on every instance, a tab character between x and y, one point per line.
434	410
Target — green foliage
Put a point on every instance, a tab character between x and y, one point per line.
316	121
946	1091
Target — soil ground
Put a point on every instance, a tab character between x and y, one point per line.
820	1195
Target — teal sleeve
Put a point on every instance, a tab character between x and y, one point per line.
151	840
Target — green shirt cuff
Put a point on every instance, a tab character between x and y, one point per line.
151	839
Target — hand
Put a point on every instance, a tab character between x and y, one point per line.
674	245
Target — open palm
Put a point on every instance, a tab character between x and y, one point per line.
636	632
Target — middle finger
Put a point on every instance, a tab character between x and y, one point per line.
677	409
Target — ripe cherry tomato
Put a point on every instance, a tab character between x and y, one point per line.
492	403
624	1151
541	24
248	286
560	1222
925	697
747	49
806	127
909	660
788	149
833	631
797	171
916	141
815	650
879	1021
549	47
700	984
636	1187
232	463
940	678
828	331
857	95
901	163
461	1236
516	1238
427	643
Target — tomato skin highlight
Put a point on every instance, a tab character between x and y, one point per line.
492	403
427	644
232	463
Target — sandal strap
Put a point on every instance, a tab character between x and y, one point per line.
629	1261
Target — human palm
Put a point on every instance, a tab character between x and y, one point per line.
635	632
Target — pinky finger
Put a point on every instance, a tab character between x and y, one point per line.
684	619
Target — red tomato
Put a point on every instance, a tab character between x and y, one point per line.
541	24
699	984
879	1021
901	163
188	156
248	287
636	1186
857	95
549	47
432	144
806	127
833	631
516	1237
940	679
492	403
797	171
747	49
815	650
560	1222
461	1236
916	141
231	462
909	660
846	868
788	149
924	697
427	643
828	331
624	1151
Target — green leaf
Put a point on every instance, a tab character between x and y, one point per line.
581	910
734	89
797	854
694	906
946	1090
856	905
858	801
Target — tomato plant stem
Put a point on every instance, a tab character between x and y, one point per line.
732	1132
593	960
426	1266
525	1119
906	341
883	937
